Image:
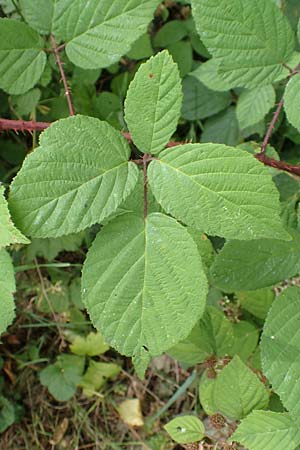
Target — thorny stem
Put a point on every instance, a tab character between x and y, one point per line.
276	113
22	125
63	76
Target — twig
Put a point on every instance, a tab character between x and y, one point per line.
272	125
22	125
63	76
280	165
270	129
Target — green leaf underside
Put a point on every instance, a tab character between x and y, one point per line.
292	101
200	102
220	190
267	430
257	264
9	234
98	33
7	288
148	289
238	391
222	128
254	104
22	59
280	348
185	429
77	177
158	83
212	335
241	35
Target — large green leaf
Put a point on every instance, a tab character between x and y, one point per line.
280	348
9	234
77	177
257	264
38	14
218	189
212	335
7	288
22	59
240	33
267	430
238	391
292	101
253	105
99	32
200	102
148	288
155	93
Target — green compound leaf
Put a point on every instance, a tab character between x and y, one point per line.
63	377
99	32
200	102
185	429
77	177
280	348
253	105
22	59
267	430
148	270
9	234
38	14
220	190
238	391
155	93
7	288
257	264
212	335
241	35
292	101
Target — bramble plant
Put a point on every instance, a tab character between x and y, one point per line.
180	223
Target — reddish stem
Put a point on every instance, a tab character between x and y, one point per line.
63	76
22	125
272	125
280	165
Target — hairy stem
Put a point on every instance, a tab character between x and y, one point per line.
63	76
